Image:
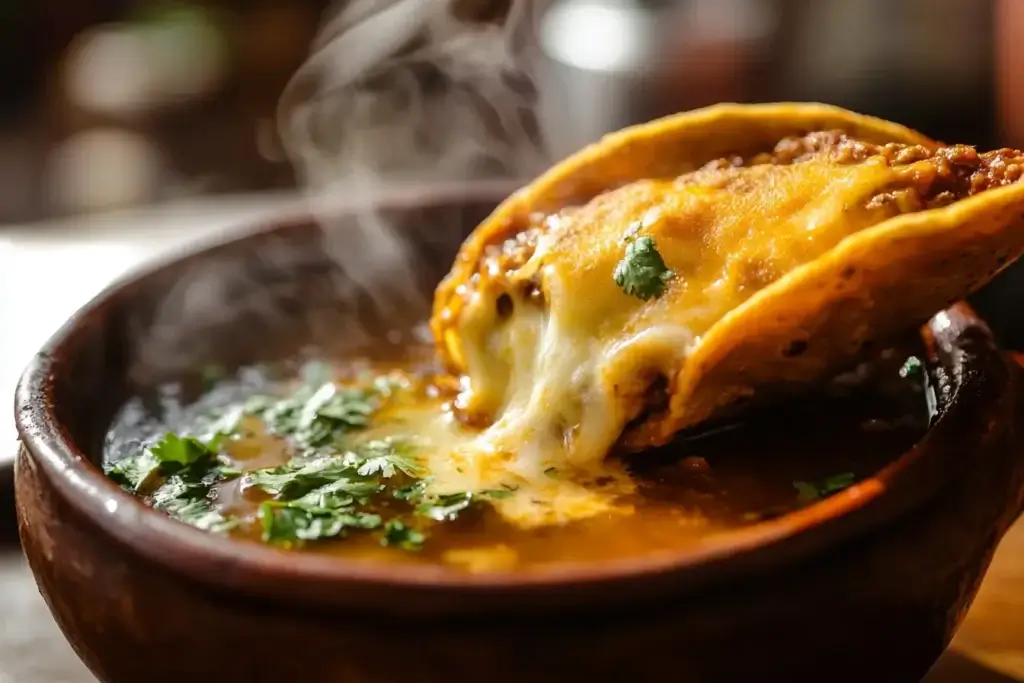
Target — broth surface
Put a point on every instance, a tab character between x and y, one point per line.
227	461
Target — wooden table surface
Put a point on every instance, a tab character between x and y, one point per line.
988	649
993	633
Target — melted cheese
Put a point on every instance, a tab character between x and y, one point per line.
460	459
560	379
564	378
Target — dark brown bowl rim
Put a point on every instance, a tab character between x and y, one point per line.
255	569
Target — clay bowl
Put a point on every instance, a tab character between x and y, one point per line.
867	585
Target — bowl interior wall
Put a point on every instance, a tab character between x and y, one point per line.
271	296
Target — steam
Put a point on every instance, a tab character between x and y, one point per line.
394	92
400	92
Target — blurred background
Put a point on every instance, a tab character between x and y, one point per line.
108	104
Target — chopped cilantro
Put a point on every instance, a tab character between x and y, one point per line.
329	411
222	427
179	474
387	457
293	523
168	455
322	497
351	409
299	477
412	492
397	533
134	472
642	272
912	367
315	416
174	450
335	484
812	491
199	512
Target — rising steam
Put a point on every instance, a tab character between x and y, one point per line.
394	92
398	92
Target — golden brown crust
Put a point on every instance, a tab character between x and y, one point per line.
808	268
939	176
954	172
664	148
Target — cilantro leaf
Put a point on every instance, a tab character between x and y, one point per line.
642	272
222	427
387	458
170	454
315	415
350	408
298	478
185	492
177	451
199	512
447	507
340	493
329	411
397	533
412	492
295	523
134	472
